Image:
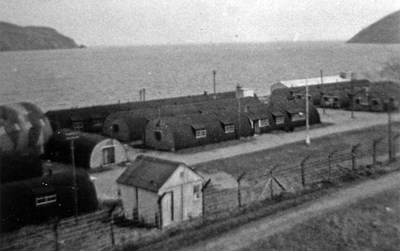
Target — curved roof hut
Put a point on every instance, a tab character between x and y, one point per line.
296	113
335	99
173	133
91	118
23	128
91	150
14	166
261	118
130	126
38	199
377	97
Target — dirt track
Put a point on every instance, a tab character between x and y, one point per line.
249	233
340	121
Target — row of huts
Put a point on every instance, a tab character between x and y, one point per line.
359	95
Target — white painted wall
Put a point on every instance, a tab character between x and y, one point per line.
96	158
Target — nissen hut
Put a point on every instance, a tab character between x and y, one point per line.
173	133
23	128
160	192
91	150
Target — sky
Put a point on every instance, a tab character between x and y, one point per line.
147	22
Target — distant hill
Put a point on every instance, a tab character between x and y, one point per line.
385	31
14	37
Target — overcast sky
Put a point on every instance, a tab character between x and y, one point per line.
133	22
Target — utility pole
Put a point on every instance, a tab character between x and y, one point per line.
307	120
352	94
72	136
214	73
389	107
322	83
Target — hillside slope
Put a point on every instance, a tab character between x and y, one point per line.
14	37
385	31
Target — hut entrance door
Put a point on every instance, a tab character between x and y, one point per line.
108	155
257	127
168	208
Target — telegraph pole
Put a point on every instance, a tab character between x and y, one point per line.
72	136
214	73
307	120
389	106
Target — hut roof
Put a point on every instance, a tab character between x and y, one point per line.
149	173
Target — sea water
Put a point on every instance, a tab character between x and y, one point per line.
56	79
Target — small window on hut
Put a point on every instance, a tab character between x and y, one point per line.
157	135
263	123
374	102
357	101
44	195
77	125
201	133
279	120
46	199
229	128
298	116
196	192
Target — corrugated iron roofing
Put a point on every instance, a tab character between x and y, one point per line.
148	173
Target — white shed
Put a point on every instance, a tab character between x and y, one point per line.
160	192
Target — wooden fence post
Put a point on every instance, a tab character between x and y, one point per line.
330	163
353	157
238	191
303	181
394	145
374	146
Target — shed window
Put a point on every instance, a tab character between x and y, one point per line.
196	192
263	123
374	102
229	128
357	101
157	135
77	125
97	122
202	133
46	199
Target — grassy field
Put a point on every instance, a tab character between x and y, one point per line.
370	224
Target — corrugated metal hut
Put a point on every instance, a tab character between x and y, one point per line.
173	133
38	199
14	166
261	118
296	114
23	128
335	99
376	97
91	150
91	119
160	192
130	125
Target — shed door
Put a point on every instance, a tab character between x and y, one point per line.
168	209
108	155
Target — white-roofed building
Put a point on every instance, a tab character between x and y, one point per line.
310	81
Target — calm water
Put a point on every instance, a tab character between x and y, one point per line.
66	78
